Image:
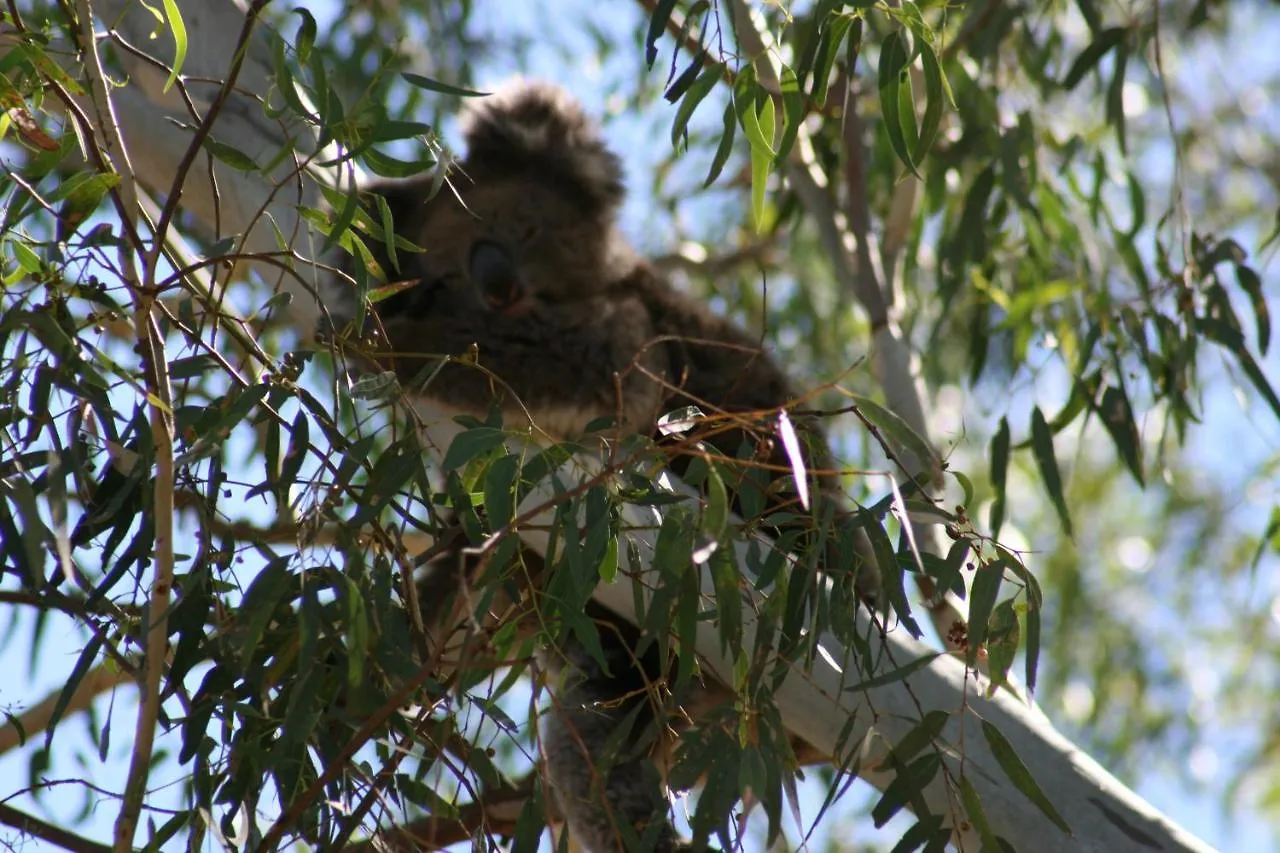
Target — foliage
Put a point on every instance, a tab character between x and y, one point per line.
985	167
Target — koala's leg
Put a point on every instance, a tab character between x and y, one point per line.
598	741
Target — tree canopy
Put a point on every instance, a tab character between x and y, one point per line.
1018	252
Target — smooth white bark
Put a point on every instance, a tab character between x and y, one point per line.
158	128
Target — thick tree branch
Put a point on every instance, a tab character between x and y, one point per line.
37	828
36	719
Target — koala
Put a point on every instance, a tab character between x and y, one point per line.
525	266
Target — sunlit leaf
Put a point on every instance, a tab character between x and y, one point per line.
795	455
81	195
903	437
173	15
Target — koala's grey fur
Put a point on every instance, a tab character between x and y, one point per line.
526	264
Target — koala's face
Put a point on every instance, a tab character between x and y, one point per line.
528	220
514	242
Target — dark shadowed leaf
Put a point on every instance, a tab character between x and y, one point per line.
1047	463
657	24
982	601
1019	775
697	92
437	86
999	472
88	655
229	154
1117	417
258	607
1232	340
1092	55
833	33
1251	284
471	444
978	817
920	736
895	675
793	111
935	100
907	787
895	89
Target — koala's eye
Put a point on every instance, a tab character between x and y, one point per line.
493	271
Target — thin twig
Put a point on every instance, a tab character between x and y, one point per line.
496	811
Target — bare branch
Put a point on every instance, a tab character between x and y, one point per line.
37	828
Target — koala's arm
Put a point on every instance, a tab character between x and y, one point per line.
723	369
719	365
562	364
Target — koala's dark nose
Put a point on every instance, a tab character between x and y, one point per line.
493	271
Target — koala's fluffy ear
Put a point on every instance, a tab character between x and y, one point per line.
539	128
406	198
